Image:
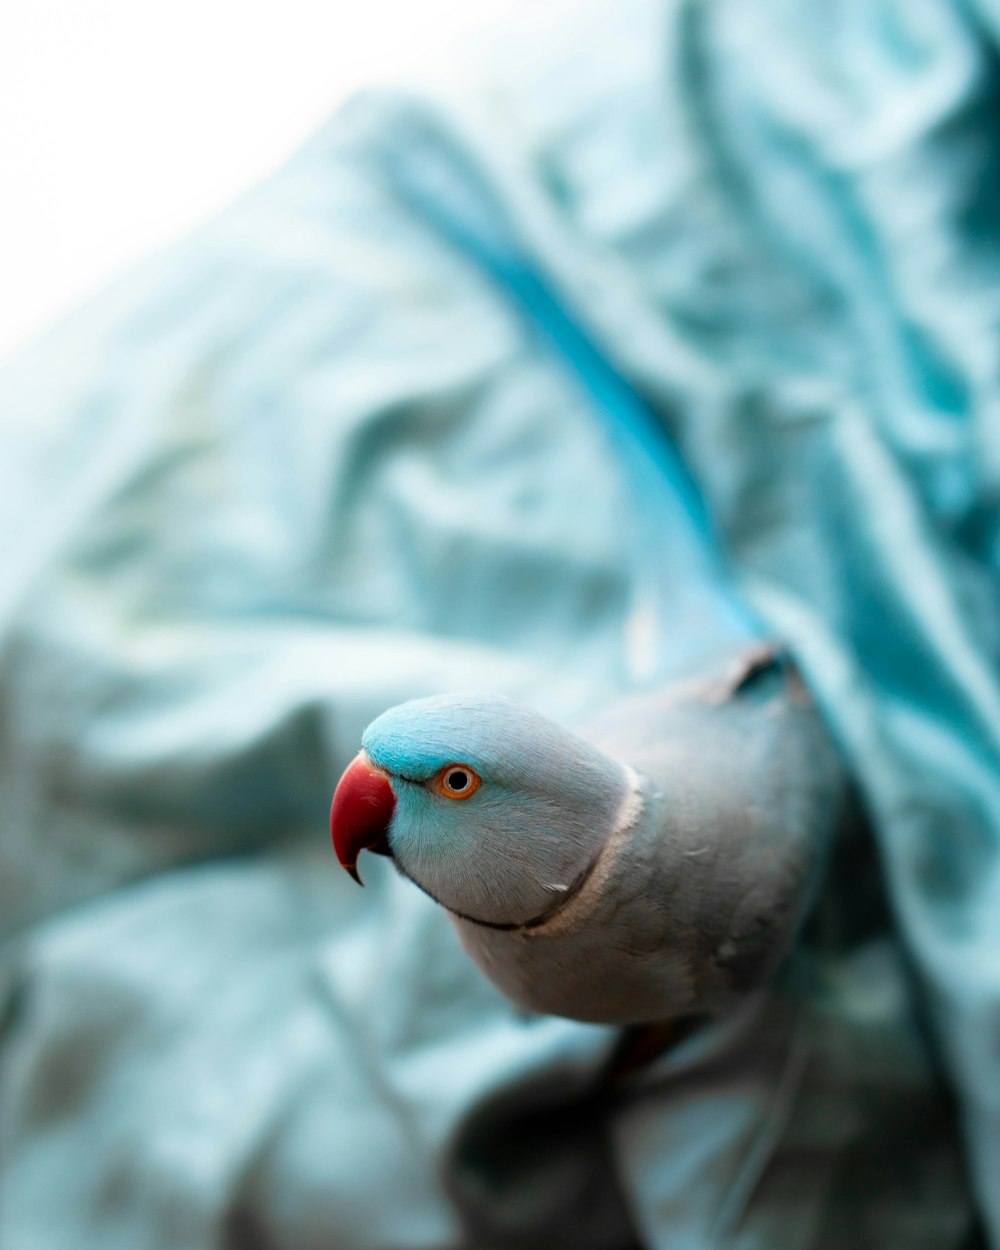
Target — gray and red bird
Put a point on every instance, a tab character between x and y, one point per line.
654	864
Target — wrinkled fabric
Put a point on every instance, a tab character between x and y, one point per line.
369	436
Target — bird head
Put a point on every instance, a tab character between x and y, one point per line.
490	808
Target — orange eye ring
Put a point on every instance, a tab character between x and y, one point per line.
455	781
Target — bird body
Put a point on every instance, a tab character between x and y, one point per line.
654	864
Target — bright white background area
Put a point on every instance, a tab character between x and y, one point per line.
125	122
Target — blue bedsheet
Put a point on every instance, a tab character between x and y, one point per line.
361	439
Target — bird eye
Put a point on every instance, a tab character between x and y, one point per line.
456	781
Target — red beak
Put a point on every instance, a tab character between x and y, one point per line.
362	807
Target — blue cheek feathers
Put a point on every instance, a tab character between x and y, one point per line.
426	825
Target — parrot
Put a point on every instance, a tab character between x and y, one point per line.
652	864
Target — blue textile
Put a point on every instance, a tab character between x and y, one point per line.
531	390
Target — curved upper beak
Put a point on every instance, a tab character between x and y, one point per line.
362	808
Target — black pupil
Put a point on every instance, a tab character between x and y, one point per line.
457	779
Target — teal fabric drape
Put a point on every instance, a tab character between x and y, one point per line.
361	439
